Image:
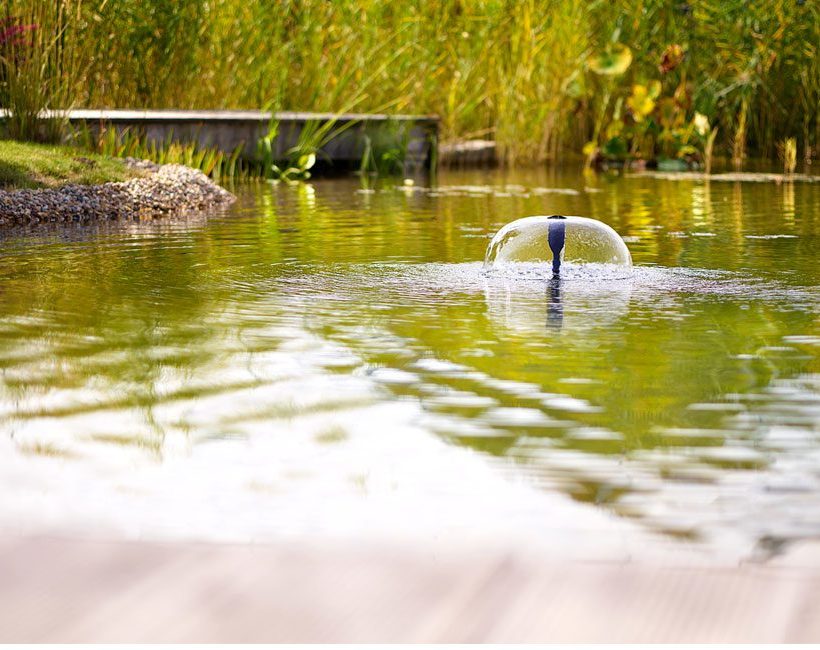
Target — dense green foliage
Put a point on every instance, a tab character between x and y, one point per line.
25	165
532	75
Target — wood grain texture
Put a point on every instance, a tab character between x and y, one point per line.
69	590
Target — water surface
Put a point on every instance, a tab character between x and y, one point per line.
331	360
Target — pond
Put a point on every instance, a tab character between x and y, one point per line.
331	361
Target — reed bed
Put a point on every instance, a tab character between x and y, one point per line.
518	71
40	59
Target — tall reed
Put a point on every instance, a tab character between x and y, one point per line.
39	65
512	70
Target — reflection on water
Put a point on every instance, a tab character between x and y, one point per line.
317	360
555	308
528	306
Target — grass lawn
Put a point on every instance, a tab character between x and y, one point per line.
26	165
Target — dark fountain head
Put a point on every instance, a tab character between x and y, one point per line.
556	236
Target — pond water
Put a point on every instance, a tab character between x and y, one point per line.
330	361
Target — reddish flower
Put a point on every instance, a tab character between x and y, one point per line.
672	56
13	33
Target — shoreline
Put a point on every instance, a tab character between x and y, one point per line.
166	190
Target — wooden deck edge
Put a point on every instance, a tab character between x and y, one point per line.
74	590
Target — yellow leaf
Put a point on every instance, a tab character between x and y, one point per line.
613	129
640	102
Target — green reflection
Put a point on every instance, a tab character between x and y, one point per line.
136	335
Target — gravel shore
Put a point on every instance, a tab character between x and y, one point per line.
166	190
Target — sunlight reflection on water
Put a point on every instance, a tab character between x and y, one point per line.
331	363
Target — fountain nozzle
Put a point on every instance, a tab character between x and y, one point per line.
556	238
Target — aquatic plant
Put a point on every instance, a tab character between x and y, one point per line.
265	149
298	170
126	143
299	159
384	149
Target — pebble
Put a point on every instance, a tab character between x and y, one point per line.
166	190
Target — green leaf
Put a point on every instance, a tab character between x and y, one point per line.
307	161
615	148
615	60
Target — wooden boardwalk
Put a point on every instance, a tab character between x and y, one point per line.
70	590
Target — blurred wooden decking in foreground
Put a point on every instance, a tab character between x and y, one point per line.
68	590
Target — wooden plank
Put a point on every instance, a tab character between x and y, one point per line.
74	590
235	115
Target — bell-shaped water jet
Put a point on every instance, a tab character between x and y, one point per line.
564	242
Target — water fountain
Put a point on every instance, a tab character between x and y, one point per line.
574	246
